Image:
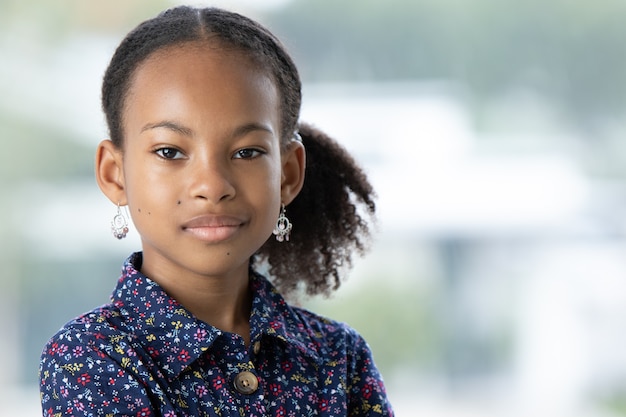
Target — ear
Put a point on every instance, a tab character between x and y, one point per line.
110	172
293	165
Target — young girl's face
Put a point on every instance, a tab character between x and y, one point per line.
202	167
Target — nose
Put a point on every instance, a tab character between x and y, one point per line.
211	180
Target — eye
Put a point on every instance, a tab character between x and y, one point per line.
247	153
169	153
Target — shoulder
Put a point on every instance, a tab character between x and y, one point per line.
88	363
341	347
323	323
331	335
86	332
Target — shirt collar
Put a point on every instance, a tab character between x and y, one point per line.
171	335
174	338
274	317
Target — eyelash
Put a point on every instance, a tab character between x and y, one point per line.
256	152
160	153
237	155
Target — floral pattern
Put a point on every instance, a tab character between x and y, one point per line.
146	355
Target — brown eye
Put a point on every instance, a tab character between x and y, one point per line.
247	153
169	153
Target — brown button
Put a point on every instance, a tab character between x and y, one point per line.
256	347
246	382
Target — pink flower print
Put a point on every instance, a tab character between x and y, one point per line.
200	335
61	350
201	390
79	405
77	351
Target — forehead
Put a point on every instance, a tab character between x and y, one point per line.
199	61
198	53
205	79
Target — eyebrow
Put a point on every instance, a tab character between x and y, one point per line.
176	127
168	124
250	127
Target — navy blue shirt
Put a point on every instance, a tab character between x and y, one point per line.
146	355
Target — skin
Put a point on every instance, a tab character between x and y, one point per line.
203	174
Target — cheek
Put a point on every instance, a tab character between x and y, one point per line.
147	197
267	190
267	177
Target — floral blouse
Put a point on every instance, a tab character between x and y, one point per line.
146	355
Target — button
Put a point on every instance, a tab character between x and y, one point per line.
246	382
256	347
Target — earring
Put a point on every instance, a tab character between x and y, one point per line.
283	226
119	225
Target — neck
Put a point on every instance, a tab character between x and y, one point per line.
223	302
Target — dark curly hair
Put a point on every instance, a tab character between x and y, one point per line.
332	213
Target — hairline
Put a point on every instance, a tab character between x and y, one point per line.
204	40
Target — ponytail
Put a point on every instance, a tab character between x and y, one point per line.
331	219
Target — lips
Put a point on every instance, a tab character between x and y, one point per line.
213	221
210	228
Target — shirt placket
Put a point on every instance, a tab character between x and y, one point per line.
244	385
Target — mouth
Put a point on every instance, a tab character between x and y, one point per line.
213	229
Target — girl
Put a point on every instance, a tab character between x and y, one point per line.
206	151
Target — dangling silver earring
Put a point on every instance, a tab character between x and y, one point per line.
119	225
283	226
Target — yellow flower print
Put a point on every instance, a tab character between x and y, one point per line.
125	362
72	367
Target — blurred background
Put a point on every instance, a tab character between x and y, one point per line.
493	131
